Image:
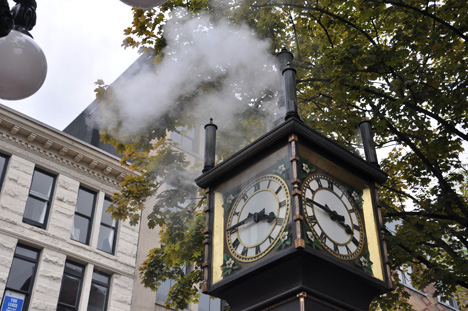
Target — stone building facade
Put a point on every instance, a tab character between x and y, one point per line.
191	143
59	250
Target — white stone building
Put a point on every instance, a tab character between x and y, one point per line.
58	249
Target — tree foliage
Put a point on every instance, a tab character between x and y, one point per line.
400	63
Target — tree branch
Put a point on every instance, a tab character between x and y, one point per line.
427	14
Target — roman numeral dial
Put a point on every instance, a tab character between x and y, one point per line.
333	216
258	218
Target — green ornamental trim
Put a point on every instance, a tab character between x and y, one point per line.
284	239
281	168
229	200
356	194
229	265
312	241
306	167
365	263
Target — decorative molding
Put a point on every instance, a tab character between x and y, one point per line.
63	151
14	130
93	164
107	170
78	157
47	144
60	163
32	136
121	176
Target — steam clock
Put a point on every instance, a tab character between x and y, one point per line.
293	219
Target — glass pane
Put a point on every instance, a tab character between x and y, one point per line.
21	274
65	308
207	303
80	229
106	239
35	210
3	161
85	202
101	277
71	267
163	291
97	297
106	218
26	252
42	184
70	290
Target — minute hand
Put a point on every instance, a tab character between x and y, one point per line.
333	214
255	216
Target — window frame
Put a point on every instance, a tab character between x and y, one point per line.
74	274
97	282
405	279
42	198
33	277
90	218
3	169
211	307
446	302
103	224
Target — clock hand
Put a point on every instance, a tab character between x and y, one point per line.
269	218
256	217
240	223
345	226
333	214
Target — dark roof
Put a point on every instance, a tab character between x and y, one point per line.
86	127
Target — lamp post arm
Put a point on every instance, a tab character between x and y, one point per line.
6	20
24	15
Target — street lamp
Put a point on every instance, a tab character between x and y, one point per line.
23	66
144	4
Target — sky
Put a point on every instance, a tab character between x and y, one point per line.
81	40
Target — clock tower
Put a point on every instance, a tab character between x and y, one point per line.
293	219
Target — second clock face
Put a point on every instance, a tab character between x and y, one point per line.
257	218
333	216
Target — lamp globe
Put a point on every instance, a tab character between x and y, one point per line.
23	66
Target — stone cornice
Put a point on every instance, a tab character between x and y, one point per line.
45	141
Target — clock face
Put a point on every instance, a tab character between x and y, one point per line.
333	216
257	218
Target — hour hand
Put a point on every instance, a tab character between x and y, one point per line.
269	218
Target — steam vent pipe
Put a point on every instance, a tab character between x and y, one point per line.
210	145
285	59
365	128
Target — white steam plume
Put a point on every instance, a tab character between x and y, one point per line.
198	50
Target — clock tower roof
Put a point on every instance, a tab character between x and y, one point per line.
278	136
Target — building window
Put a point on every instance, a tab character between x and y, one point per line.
3	166
107	230
405	279
188	140
70	290
99	293
21	278
83	219
449	302
40	196
162	293
207	303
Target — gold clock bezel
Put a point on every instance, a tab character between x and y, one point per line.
358	213
240	201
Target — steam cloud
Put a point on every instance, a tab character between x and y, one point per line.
198	51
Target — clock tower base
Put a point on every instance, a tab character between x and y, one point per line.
303	302
302	281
